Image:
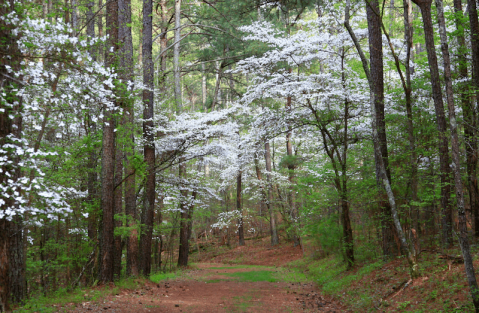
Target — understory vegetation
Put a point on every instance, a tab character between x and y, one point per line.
135	135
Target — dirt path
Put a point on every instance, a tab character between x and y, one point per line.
218	288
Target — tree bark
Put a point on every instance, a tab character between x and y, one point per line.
470	133
6	130
118	203
4	248
456	162
425	6
126	59
149	148
17	254
291	167
408	36
240	209
92	180
163	45
108	156
219	75
184	243
410	254
203	86
176	57
74	16
345	216
272	218
377	87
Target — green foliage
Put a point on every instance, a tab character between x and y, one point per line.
163	276
327	234
289	161
253	276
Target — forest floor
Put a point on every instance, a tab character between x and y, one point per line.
284	278
242	279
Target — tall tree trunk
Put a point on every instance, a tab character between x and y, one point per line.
474	26
203	85
425	6
108	155
291	198
219	75
176	57
149	148
408	36
469	116
184	243
74	16
163	45
18	283
470	135
92	189
99	25
377	76
409	251
345	216
6	130
118	203
264	198
126	59
92	180
272	218
456	162
240	209
4	247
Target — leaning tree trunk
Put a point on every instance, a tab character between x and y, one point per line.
456	162
149	148
425	6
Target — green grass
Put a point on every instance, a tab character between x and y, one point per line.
237	266
156	278
56	301
291	275
242	303
253	276
331	275
215	281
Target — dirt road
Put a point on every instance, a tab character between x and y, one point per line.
218	288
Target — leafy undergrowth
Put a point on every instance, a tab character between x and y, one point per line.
56	301
372	285
378	286
66	298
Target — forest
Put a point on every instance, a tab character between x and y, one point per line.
131	130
